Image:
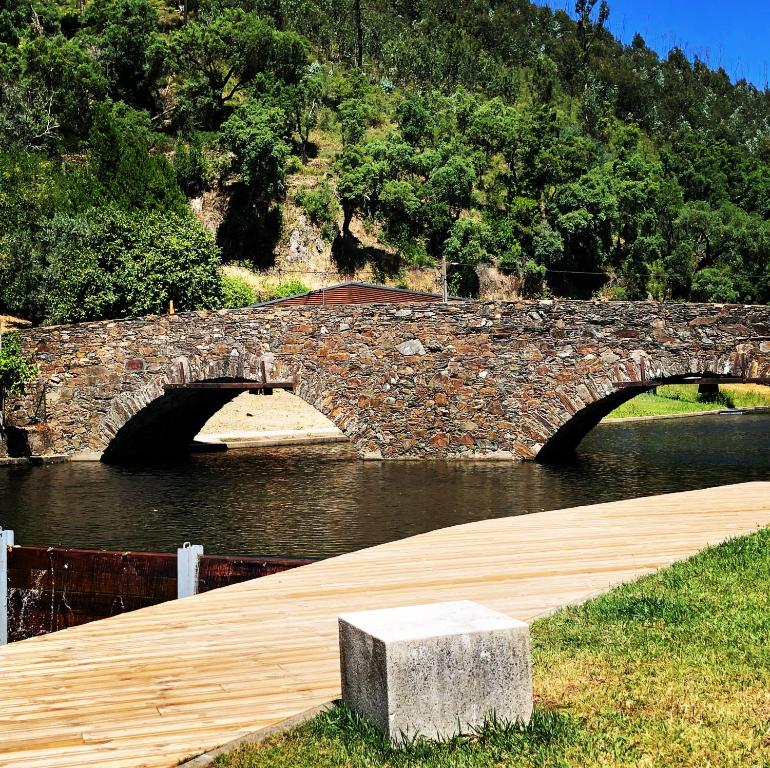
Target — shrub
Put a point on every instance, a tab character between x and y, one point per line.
236	292
321	206
15	368
287	288
190	166
111	263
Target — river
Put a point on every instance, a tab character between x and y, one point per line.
321	500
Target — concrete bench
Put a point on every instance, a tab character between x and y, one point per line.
435	670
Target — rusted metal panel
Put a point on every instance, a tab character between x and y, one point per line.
355	293
219	571
54	588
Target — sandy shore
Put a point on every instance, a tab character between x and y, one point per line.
280	419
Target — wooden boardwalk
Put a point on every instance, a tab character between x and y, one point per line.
152	687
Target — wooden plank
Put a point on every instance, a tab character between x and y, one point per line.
240	385
155	686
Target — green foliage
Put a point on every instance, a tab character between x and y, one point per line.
67	78
109	263
133	174
16	369
321	206
286	288
352	115
236	292
253	135
525	138
715	284
190	165
220	54
305	101
126	35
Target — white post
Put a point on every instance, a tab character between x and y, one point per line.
444	279
6	541
187	562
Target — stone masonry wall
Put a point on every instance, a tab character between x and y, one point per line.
469	379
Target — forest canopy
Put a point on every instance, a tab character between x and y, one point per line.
499	133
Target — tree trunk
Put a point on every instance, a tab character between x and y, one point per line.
708	392
359	34
347	212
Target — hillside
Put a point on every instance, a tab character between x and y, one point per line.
300	142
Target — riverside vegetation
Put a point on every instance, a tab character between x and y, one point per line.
498	133
684	398
668	671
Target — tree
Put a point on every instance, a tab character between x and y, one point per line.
132	173
27	119
109	263
352	116
219	56
125	34
359	34
253	136
16	369
17	16
586	214
361	172
68	74
587	30
305	101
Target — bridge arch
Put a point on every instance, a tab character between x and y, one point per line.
589	399
161	421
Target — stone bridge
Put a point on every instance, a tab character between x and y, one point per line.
521	380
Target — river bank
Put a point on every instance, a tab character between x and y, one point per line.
684	399
647	674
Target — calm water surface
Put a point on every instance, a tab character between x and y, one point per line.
321	500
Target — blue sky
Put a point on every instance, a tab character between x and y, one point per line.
734	34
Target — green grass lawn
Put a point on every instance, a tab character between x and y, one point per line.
684	398
671	670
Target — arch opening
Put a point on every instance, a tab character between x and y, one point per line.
167	425
255	421
203	416
563	444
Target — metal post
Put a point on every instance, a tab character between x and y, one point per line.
6	541
187	563
444	279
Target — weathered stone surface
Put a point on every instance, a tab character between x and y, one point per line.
411	347
497	365
435	670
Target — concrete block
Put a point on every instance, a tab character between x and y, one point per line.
435	670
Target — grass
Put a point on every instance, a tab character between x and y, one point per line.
684	398
671	670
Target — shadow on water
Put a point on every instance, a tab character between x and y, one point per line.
321	500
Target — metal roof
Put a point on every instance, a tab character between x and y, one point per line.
353	292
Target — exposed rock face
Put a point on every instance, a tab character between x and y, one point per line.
495	380
305	244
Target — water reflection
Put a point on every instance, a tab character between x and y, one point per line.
321	500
